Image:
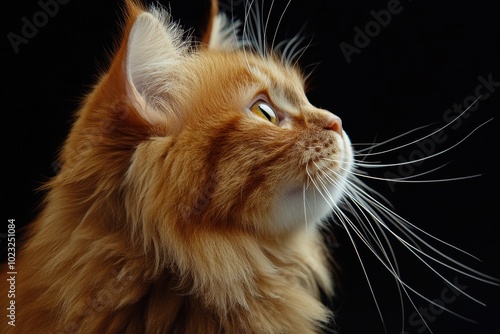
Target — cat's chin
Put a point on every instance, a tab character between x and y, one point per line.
304	204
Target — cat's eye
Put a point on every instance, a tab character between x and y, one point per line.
265	111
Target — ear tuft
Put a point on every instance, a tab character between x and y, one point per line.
224	34
155	50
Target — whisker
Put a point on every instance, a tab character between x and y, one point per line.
392	263
393	266
410	248
279	23
375	145
366	204
361	184
306	77
397	219
268	16
429	135
370	150
343	219
405	179
391	270
432	155
295	57
291	46
255	36
395	274
362	161
362	205
247	39
363	174
425	173
403	223
354	212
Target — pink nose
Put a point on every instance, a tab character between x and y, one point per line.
334	123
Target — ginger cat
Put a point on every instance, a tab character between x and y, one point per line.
190	196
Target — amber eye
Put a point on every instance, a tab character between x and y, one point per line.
264	111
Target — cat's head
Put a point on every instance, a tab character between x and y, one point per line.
216	135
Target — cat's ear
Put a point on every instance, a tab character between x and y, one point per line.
155	50
221	33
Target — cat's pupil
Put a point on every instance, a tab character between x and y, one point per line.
267	111
263	110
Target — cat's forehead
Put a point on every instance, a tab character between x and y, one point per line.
283	84
244	76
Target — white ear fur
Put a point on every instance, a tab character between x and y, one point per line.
224	34
155	50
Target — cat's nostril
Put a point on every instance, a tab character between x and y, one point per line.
334	123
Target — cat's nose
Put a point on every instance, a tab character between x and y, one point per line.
334	123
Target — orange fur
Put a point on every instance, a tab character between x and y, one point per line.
164	221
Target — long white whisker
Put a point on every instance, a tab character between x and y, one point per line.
394	267
412	248
403	223
400	222
432	155
397	219
279	23
363	174
297	55
373	235
394	270
362	185
429	135
374	145
405	179
290	47
400	280
370	149
306	78
343	220
367	203
267	19
247	39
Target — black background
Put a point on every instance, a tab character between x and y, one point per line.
427	59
